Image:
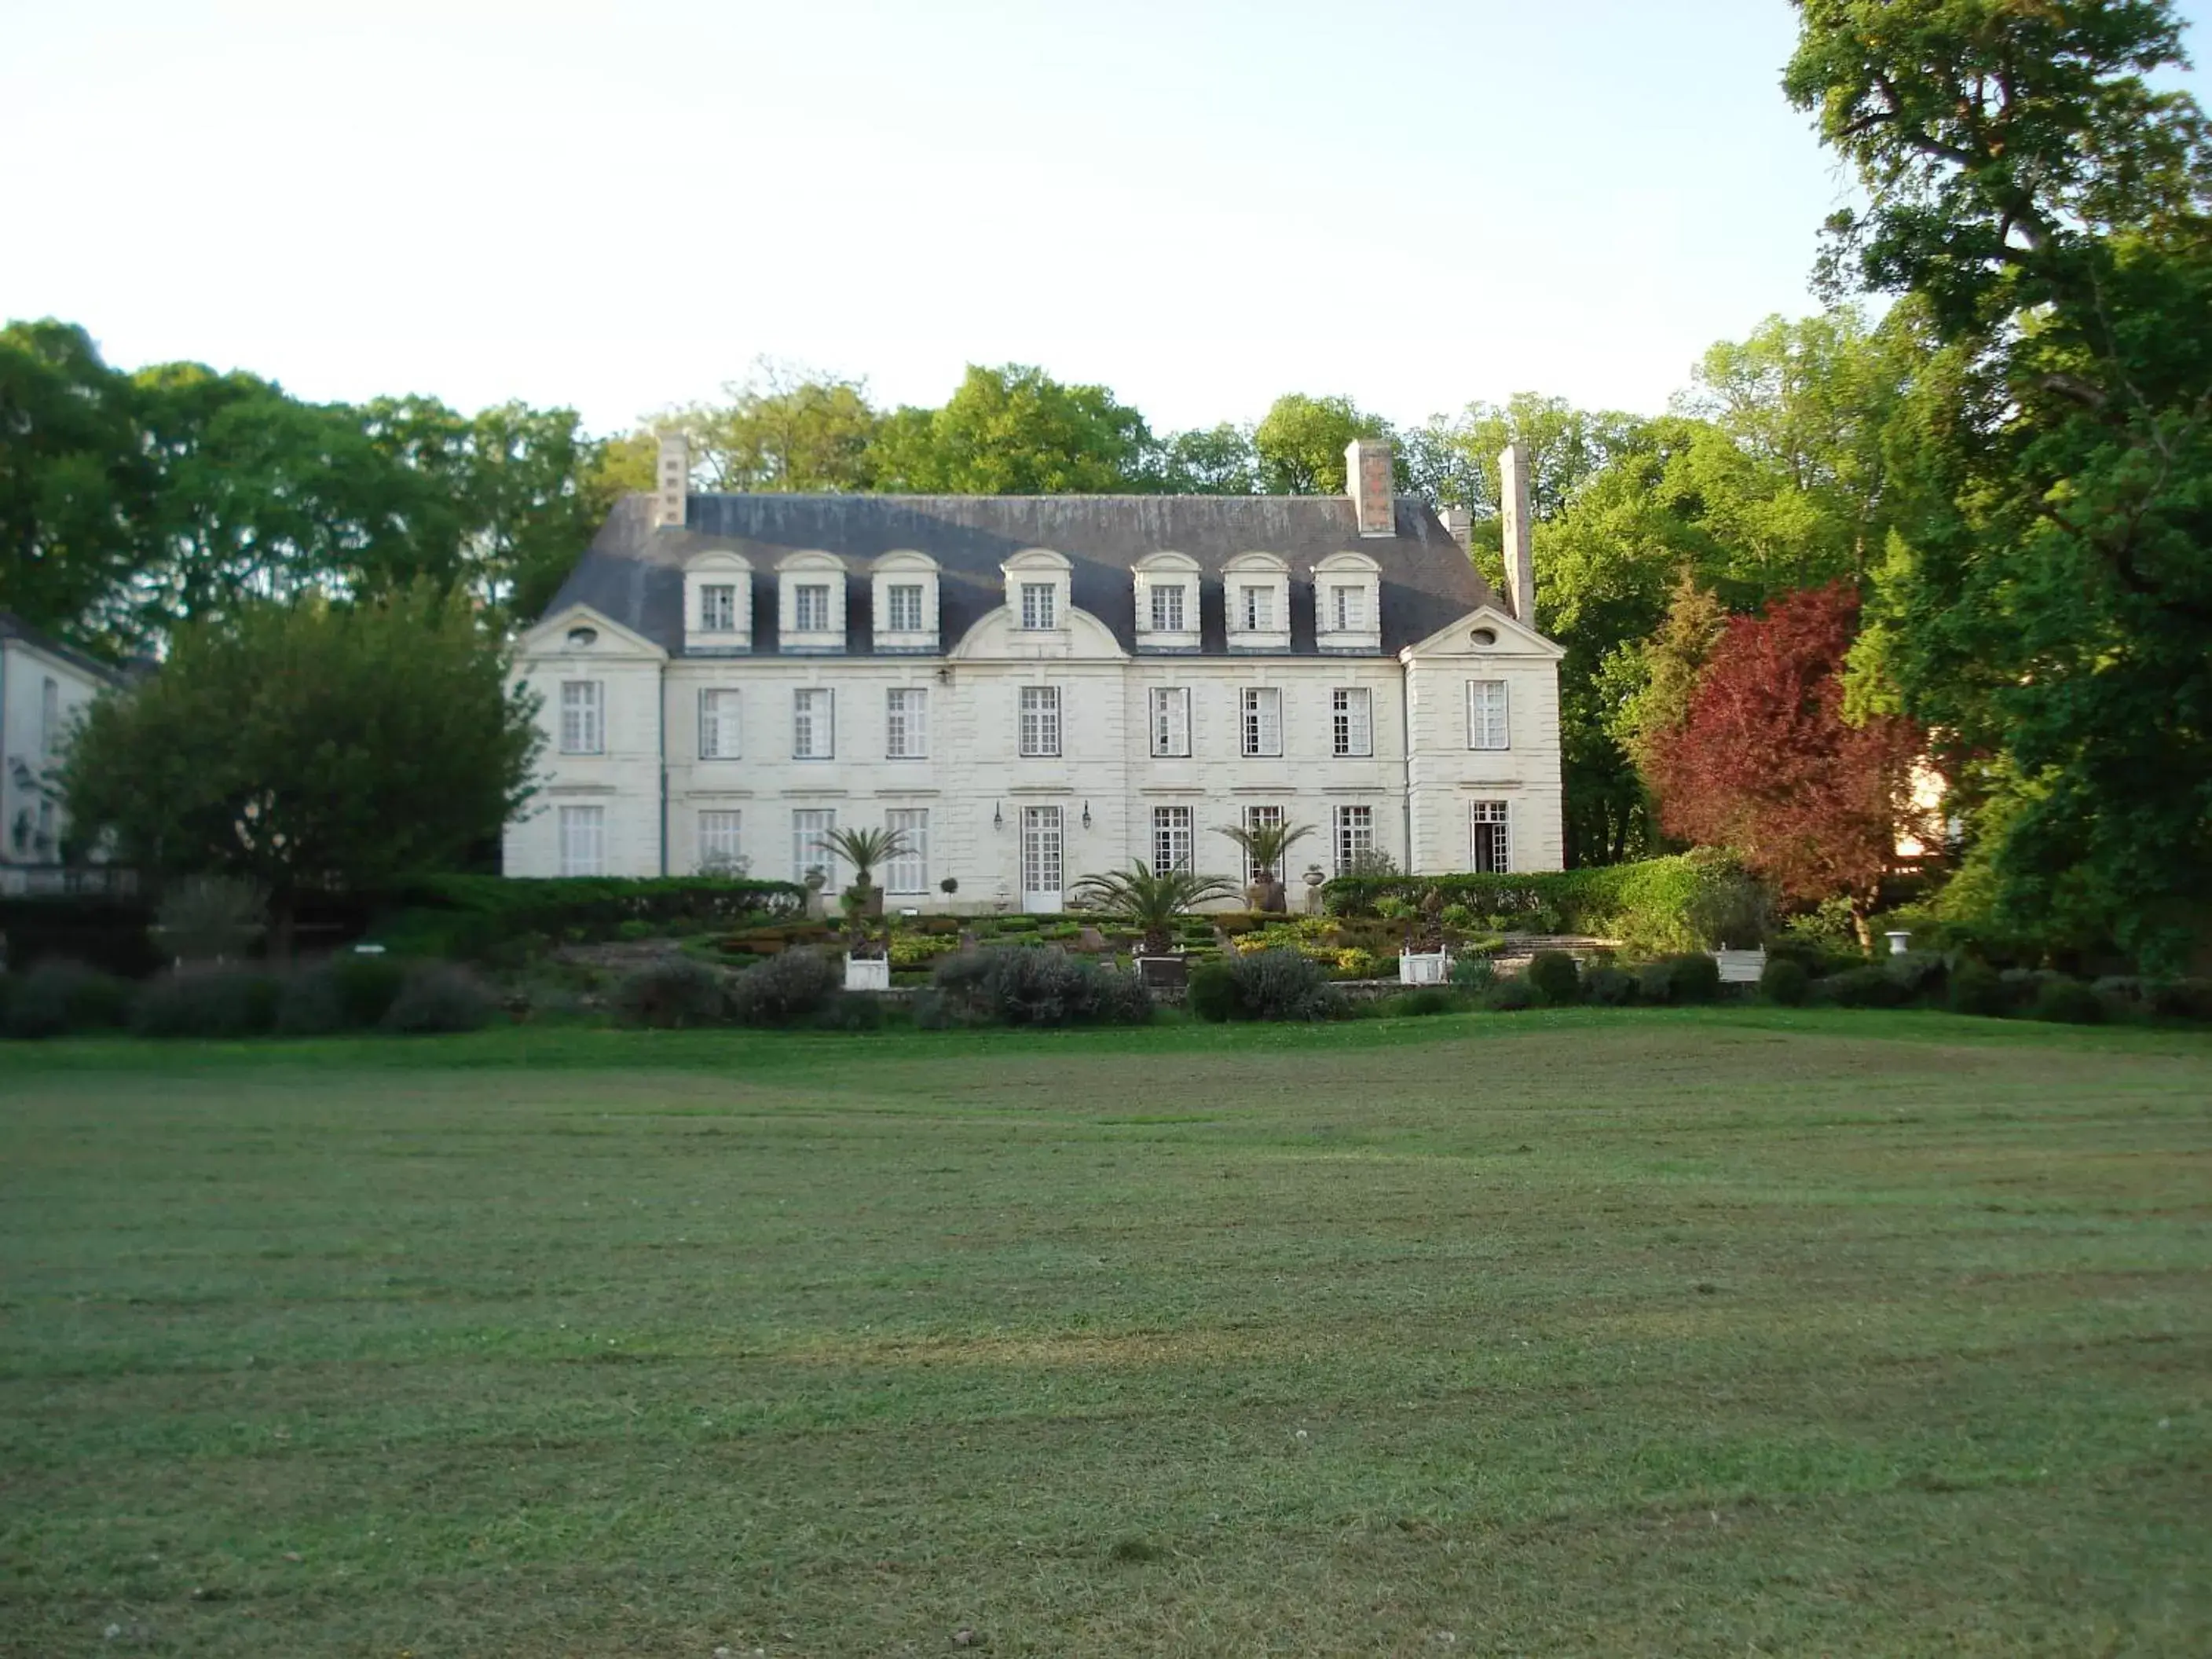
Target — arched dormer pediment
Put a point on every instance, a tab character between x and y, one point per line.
718	603
1256	600
1167	596
810	602
994	638
1037	591
903	602
1348	604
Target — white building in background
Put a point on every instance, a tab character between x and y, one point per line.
43	685
1037	688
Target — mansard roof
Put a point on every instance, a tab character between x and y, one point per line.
633	573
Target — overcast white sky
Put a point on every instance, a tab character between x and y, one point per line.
1200	204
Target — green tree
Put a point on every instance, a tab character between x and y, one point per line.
1013	430
1217	460
308	746
1300	445
2051	609
783	428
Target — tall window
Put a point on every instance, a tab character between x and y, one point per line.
1347	608
906	723
50	717
810	850
1172	839
810	608
717	608
1352	728
813	725
1167	608
1036	605
721	844
1255	609
1040	722
1260	817
909	872
1262	706
1493	847
583	726
719	730
905	605
1171	720
1041	847
1355	836
1486	726
583	841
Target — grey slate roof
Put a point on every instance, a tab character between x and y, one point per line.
12	627
633	573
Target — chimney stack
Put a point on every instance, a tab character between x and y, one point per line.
1519	547
672	482
1459	523
1368	481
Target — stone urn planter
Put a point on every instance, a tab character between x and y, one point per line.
1425	968
1266	895
866	902
867	973
1162	973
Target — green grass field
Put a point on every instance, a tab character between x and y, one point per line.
1667	1333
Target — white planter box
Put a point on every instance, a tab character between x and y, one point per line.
1428	968
1740	967
867	973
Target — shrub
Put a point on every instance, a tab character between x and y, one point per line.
1211	991
1784	983
1863	987
64	999
1691	978
1509	995
852	1011
671	995
1038	987
348	992
2067	1001
2179	998
1554	977
1976	988
1474	974
207	1002
208	919
477	915
1609	988
1273	985
440	996
1922	974
1429	999
785	989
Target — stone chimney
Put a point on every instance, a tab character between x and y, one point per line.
672	481
1368	481
1459	523
1514	516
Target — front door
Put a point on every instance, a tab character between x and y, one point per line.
1041	860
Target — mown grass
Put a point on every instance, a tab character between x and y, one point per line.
1734	1332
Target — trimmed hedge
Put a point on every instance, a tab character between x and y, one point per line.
474	917
1648	905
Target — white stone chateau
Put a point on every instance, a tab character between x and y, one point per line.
1036	688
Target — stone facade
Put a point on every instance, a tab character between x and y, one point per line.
44	684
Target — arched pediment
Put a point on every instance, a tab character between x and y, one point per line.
996	637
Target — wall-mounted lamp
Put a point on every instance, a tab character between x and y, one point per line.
998	817
944	675
1087	815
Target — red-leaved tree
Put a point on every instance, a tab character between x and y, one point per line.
1765	763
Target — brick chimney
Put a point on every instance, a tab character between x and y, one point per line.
672	481
1516	521
1368	481
1459	524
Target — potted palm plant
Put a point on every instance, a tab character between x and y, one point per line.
867	963
1269	847
1149	900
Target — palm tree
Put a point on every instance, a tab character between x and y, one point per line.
1267	846
1140	898
864	849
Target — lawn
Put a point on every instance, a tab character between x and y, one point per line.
1664	1333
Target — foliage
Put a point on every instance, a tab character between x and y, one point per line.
2050	214
1767	764
865	847
476	916
440	997
1267	845
1268	985
1976	988
1785	981
201	1001
1870	987
112	933
1475	974
1647	905
1041	988
1609	988
351	992
1690	978
1300	444
1428	1000
66	998
670	995
785	989
208	919
1510	994
2067	1001
1555	977
1013	430
312	746
1141	898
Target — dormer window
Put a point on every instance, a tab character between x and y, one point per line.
1257	587
904	597
1036	594
1037	607
811	606
1167	602
1347	604
717	604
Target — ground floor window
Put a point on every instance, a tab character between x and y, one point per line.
583	841
1493	844
1172	839
1355	837
909	872
809	850
721	850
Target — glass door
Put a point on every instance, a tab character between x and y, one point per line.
1041	860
